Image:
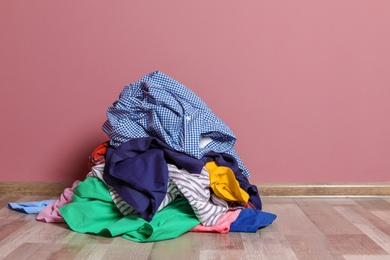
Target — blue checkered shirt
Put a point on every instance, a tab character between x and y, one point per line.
161	107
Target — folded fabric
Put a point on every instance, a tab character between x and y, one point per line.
161	107
224	183
50	213
93	211
31	207
222	225
250	220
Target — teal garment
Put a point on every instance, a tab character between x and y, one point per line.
93	211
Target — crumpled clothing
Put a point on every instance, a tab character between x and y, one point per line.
137	170
51	213
207	207
250	220
159	106
224	183
98	156
126	209
93	211
30	207
222	225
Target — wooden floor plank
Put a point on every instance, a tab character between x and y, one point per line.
373	219
5	199
305	228
326	218
366	257
10	226
291	219
312	246
267	245
124	249
386	198
368	228
373	203
43	251
93	251
382	214
361	244
16	239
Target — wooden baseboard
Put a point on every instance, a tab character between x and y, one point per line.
265	189
33	188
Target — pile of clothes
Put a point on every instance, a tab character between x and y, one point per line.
169	168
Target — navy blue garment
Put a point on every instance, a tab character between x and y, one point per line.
252	190
138	171
159	106
250	220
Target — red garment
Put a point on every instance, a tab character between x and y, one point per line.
98	155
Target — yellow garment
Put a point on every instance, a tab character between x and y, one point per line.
224	183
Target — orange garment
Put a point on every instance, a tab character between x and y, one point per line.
224	183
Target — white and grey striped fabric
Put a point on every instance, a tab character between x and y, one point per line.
196	189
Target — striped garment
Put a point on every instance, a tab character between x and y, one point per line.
123	206
196	189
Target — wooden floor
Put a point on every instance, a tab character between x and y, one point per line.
306	228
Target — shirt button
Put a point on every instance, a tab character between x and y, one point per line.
188	117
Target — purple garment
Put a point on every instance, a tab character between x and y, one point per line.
250	220
138	171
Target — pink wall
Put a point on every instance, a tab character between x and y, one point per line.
305	85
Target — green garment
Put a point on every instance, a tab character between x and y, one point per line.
93	211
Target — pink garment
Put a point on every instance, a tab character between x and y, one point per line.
51	213
222	225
